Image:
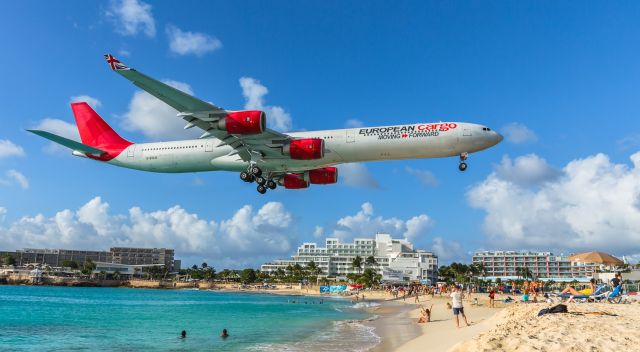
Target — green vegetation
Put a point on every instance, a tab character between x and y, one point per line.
8	259
461	273
357	263
72	264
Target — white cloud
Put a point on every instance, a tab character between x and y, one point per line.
131	17
14	177
155	119
254	92
526	170
448	251
518	133
3	213
354	123
8	149
93	102
426	177
365	224
19	178
357	175
593	204
244	237
184	42
124	53
318	232
629	142
61	128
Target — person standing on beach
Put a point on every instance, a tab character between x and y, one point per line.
456	304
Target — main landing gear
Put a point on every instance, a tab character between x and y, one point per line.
463	165
254	173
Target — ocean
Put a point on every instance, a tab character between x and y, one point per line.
42	318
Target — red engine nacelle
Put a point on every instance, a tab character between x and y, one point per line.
294	181
324	176
305	149
244	122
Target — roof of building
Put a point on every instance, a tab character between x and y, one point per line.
596	257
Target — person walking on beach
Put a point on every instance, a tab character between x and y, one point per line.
492	298
456	304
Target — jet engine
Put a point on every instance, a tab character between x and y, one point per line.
304	149
244	122
294	181
324	176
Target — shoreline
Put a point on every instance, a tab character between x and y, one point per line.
396	324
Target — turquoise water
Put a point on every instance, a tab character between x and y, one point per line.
118	319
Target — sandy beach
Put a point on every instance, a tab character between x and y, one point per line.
508	327
585	328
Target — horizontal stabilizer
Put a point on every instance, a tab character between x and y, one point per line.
69	143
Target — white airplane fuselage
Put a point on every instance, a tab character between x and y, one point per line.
414	141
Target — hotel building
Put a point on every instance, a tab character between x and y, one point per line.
505	265
396	259
118	255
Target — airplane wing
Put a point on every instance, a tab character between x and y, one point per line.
83	148
203	115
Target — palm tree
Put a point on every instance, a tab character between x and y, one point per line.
370	261
356	263
116	275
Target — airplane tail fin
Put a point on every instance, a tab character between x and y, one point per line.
94	131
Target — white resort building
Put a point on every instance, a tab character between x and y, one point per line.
396	259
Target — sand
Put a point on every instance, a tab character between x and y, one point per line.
441	333
518	328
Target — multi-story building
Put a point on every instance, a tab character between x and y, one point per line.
119	255
508	265
53	257
143	256
396	260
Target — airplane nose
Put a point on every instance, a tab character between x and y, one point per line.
498	137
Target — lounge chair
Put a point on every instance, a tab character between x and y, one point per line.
600	290
616	295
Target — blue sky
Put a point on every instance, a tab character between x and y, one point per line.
559	79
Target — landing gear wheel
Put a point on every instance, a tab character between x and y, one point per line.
245	176
271	184
262	189
256	170
261	180
462	166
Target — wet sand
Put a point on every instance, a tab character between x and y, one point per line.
394	325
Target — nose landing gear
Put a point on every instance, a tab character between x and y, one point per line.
463	166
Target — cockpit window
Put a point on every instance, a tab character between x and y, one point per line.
486	129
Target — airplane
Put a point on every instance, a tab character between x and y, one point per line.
240	141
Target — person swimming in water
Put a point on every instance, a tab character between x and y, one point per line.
183	334
224	334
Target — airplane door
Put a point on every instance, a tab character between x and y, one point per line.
466	132
208	146
131	151
351	136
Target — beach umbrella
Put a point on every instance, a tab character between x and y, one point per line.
596	257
